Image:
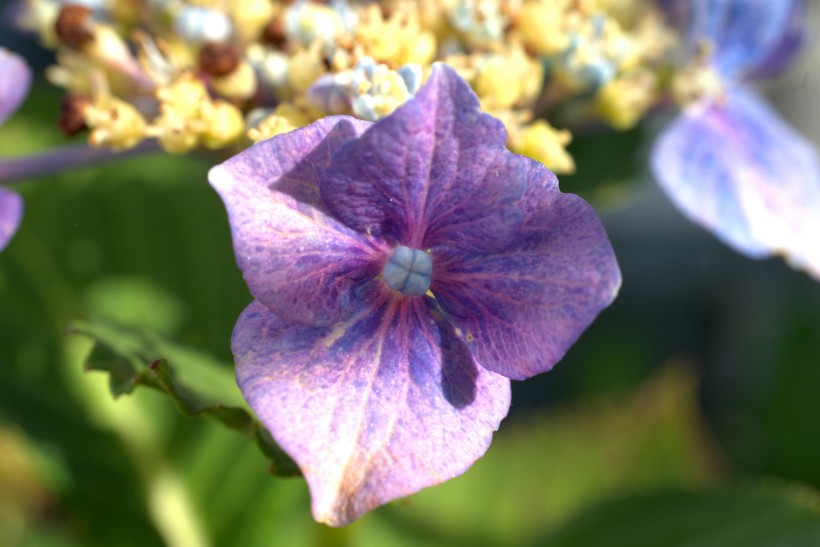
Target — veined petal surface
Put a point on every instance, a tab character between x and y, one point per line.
11	211
435	170
15	80
521	309
735	167
373	408
296	259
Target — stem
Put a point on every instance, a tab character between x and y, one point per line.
15	170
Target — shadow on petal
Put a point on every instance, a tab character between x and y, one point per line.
360	407
301	181
459	372
289	163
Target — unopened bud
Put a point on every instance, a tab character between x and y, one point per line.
218	59
239	85
274	33
72	113
73	26
197	24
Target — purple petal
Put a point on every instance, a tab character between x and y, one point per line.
292	163
11	212
792	38
740	171
745	34
520	310
371	409
435	171
297	260
15	80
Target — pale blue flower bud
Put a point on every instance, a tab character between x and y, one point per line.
408	271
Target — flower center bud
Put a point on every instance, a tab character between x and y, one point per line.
408	271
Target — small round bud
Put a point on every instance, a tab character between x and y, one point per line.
218	59
274	33
72	113
114	124
224	124
197	24
239	85
73	26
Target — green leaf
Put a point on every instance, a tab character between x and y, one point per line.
608	165
130	300
543	467
122	372
129	356
741	516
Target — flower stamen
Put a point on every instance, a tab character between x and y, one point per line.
408	271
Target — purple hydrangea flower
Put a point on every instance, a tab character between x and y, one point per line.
15	79
403	272
729	161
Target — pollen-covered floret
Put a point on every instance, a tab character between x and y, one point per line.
536	64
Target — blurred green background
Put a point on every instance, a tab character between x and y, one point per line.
686	415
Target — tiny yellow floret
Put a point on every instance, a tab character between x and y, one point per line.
542	142
114	124
623	101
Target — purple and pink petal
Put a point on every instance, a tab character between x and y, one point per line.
436	170
373	385
744	36
735	167
15	80
520	310
296	259
372	409
11	212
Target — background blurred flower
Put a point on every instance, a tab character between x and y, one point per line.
15	80
11	212
729	161
402	271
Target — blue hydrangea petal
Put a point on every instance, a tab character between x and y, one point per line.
792	38
520	310
678	13
435	171
744	33
736	168
15	80
295	258
371	409
11	212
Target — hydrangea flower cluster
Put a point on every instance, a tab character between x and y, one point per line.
729	161
223	74
403	272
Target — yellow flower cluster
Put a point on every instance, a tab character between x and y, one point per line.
223	74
